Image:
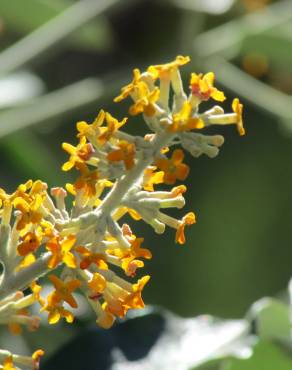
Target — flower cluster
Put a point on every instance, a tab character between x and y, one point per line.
118	174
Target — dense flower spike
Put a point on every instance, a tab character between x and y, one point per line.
118	173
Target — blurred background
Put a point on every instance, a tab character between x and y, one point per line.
63	60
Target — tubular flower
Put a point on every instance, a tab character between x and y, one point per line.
183	120
63	291
237	108
78	154
89	257
90	130
113	125
58	312
162	70
173	168
202	86
152	178
31	242
97	285
145	102
135	85
30	212
188	219
125	153
128	257
61	251
8	364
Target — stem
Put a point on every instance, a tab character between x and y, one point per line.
24	277
113	199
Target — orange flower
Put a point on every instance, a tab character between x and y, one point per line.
129	261
202	86
79	154
31	242
237	108
125	153
86	181
61	251
188	219
173	168
134	300
63	291
183	121
88	258
97	285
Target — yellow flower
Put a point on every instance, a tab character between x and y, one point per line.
151	178
112	126
61	251
105	319
145	102
30	212
79	154
56	313
237	108
130	88
163	70
8	364
173	168
125	153
90	131
36	357
202	86
188	219
36	290
87	182
63	291
183	121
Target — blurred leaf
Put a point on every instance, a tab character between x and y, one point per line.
266	356
207	6
155	341
94	35
272	319
275	47
31	158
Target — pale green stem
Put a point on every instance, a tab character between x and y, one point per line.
50	106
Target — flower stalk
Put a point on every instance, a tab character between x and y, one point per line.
117	174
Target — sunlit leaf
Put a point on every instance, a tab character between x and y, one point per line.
266	356
272	319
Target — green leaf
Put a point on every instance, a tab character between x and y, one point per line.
266	356
272	319
94	35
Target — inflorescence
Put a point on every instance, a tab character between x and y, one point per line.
118	174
